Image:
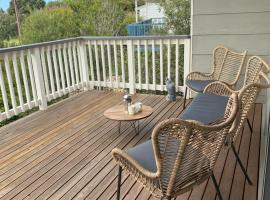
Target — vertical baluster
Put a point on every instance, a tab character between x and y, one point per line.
161	64
186	61
84	65
80	62
97	64
91	64
122	64
25	80
18	81
110	61
55	66
60	59
10	84
39	79
4	93
131	67
49	61
32	79
154	64
169	58
115	63
66	66
177	65
103	63
71	66
139	64
75	64
146	64
44	69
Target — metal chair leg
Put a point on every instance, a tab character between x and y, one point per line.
185	97
249	125
241	165
217	187
119	183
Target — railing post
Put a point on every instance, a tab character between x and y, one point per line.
39	81
84	64
187	57
131	67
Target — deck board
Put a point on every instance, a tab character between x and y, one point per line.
65	152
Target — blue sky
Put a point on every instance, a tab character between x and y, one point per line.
4	4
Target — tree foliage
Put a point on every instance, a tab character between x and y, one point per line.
7	26
178	15
26	6
49	24
102	17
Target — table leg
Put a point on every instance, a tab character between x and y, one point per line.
135	127
119	127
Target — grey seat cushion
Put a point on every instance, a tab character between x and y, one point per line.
144	155
206	108
198	85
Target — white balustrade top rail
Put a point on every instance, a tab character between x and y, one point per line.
32	75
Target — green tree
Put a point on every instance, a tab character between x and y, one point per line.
101	17
49	24
177	15
129	5
26	6
55	4
7	26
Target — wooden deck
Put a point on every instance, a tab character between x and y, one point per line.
64	152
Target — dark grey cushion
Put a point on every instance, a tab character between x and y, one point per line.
144	155
198	85
206	108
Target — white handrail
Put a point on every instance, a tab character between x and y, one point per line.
33	75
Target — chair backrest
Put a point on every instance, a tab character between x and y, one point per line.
255	80
227	65
186	151
255	66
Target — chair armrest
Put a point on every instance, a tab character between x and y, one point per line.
199	76
219	88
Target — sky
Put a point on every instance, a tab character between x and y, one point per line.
4	4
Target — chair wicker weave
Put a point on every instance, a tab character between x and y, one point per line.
185	153
227	66
255	80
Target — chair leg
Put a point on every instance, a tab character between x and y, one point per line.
217	187
241	165
119	183
249	125
185	97
169	197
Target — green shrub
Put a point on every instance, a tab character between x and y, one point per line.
49	24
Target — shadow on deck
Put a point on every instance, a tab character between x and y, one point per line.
65	152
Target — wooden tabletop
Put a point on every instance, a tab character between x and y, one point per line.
118	113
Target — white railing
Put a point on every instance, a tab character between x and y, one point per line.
33	75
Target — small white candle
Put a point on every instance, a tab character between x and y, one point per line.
131	110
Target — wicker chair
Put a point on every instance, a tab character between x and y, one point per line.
180	155
227	67
255	80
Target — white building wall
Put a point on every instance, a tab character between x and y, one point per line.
151	10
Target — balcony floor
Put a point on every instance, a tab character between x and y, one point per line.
64	152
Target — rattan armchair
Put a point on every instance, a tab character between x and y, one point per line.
180	155
255	80
227	66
